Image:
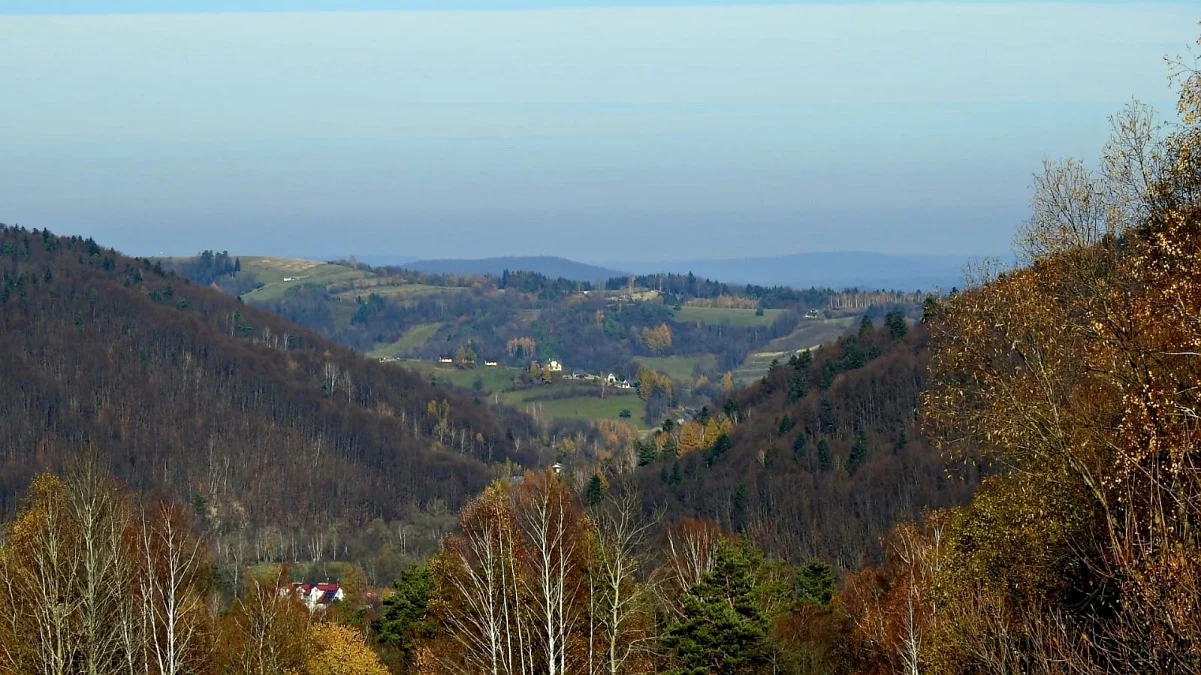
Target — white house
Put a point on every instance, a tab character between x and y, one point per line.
611	379
446	358
554	366
316	596
491	364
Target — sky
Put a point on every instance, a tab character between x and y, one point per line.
606	130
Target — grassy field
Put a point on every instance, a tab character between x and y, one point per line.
811	333
402	292
680	367
273	272
343	312
498	382
576	407
495	379
727	316
756	365
412	340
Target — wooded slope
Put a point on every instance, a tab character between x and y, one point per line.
825	454
232	408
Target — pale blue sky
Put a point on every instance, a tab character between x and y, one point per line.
614	131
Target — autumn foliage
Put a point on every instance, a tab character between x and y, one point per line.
1075	379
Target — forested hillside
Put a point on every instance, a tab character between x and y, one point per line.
821	457
514	317
273	434
1076	375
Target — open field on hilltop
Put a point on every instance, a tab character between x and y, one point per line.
726	315
812	332
413	339
576	407
343	313
495	379
280	274
756	365
680	367
809	334
401	291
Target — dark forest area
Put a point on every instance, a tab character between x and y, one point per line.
265	428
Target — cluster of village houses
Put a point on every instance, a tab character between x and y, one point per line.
557	367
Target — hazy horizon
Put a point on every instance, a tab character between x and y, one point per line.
612	132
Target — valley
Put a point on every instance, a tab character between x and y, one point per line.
446	337
693	331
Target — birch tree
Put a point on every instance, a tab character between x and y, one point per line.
556	540
620	604
172	592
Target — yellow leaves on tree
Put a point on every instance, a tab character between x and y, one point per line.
650	382
657	339
338	650
266	631
727	382
1078	375
616	434
692	436
522	348
439	414
90	581
510	585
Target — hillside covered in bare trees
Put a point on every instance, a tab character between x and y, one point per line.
273	435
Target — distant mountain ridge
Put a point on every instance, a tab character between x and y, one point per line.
834	269
550	266
830	269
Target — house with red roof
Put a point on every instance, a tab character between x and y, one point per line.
316	596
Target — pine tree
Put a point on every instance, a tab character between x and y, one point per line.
858	454
720	447
597	489
647	453
824	461
738	506
798	385
799	446
722	630
403	623
676	475
815	583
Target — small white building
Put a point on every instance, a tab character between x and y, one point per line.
446	358
490	364
554	366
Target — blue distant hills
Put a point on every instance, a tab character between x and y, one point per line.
840	269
